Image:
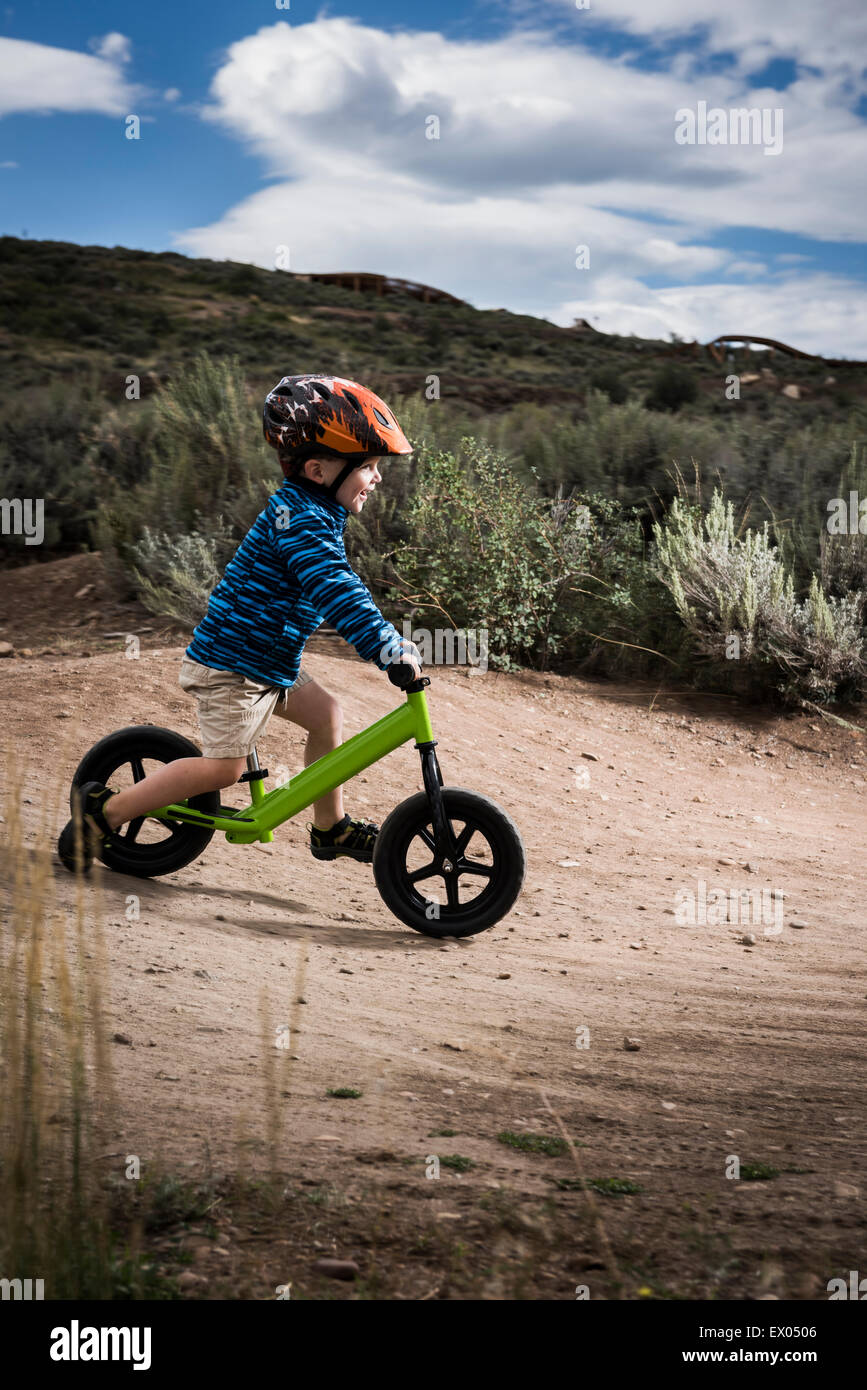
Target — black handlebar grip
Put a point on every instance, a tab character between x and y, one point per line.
401	674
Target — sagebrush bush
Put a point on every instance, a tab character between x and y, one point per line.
175	575
622	451
209	467
208	475
43	437
736	598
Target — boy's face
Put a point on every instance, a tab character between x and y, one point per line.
354	490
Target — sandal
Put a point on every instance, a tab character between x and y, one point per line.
96	833
357	845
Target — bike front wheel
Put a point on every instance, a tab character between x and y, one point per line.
449	895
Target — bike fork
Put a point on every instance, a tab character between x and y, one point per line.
433	780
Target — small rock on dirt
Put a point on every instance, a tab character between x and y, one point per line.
336	1269
6	649
122	1038
632	1044
748	939
846	1189
799	926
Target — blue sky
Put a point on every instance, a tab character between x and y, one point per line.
308	128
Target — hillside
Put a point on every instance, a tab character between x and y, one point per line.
165	481
69	311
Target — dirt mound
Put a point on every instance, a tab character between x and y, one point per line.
68	605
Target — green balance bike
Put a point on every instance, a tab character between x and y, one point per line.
447	861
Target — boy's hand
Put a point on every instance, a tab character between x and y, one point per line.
411	656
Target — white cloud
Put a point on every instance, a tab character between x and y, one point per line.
36	78
828	317
487	249
824	34
9	164
171	93
750	269
114	48
543	146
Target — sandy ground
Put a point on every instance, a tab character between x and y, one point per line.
625	799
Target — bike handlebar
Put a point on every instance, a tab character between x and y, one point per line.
401	674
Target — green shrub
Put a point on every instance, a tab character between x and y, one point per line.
548	578
484	554
610	381
672	387
534	1143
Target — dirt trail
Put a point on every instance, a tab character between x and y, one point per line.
624	800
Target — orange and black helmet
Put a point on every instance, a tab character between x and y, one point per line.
310	416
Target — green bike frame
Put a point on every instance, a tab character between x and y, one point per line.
269	809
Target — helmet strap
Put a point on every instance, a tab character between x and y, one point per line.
344	473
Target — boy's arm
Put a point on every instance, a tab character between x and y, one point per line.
332	587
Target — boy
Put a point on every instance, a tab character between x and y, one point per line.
291	571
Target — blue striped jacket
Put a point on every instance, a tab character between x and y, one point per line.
289	574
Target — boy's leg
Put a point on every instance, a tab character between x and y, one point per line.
309	704
176	781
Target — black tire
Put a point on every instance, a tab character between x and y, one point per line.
489	839
117	761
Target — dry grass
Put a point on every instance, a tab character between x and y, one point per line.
56	1085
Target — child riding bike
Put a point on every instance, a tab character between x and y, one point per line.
288	574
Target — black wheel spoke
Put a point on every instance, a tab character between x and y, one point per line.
464	839
138	771
425	835
426	872
452	894
135	826
472	866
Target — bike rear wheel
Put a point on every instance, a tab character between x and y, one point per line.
439	896
146	847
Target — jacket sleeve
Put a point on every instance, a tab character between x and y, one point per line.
317	560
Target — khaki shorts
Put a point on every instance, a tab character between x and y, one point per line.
233	709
